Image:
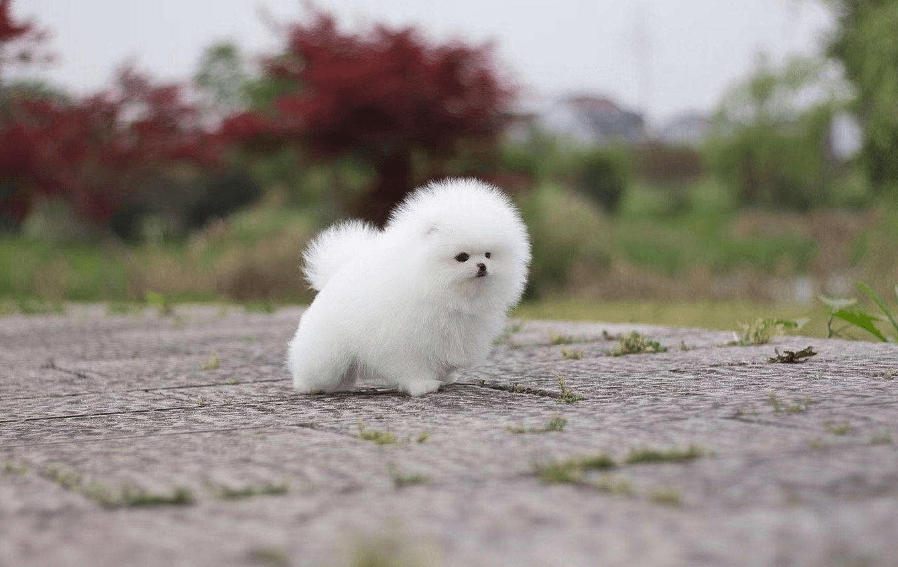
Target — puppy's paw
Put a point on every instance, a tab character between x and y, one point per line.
420	387
302	388
450	377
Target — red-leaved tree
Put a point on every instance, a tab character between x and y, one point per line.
20	42
92	152
387	96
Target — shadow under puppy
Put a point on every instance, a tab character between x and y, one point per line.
410	304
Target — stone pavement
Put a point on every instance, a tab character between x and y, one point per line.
148	440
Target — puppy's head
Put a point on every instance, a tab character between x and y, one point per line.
475	243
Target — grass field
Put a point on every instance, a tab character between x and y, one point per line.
727	315
685	259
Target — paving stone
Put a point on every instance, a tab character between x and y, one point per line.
100	413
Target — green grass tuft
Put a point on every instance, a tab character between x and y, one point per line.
666	496
838	428
881	438
762	330
126	495
568	396
561	339
10	467
571	470
211	364
616	486
225	492
507	333
378	437
164	306
797	407
402	480
571	354
635	343
557	423
643	456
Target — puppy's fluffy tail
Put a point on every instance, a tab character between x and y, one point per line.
332	248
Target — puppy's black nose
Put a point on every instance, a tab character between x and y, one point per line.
481	270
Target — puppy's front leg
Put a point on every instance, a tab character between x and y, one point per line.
419	383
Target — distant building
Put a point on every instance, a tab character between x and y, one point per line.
687	129
591	120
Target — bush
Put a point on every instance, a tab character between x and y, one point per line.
602	176
776	167
567	233
668	165
520	159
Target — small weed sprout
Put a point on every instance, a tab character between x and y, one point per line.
845	310
616	486
558	473
838	428
881	438
225	492
561	339
13	468
422	437
211	364
378	437
643	456
568	396
401	480
510	329
557	423
127	495
234	382
666	496
571	354
817	444
762	330
571	471
797	407
635	343
163	305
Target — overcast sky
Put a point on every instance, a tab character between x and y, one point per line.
663	56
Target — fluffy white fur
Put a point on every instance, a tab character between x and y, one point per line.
397	305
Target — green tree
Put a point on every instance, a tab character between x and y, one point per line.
222	78
772	147
866	43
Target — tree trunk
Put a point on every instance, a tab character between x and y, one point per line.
393	182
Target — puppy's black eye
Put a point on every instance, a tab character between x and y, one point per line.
487	254
463	257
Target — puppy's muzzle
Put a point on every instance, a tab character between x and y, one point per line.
481	270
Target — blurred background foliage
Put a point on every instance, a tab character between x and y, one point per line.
209	190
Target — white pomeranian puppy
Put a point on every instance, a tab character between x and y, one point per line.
410	304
